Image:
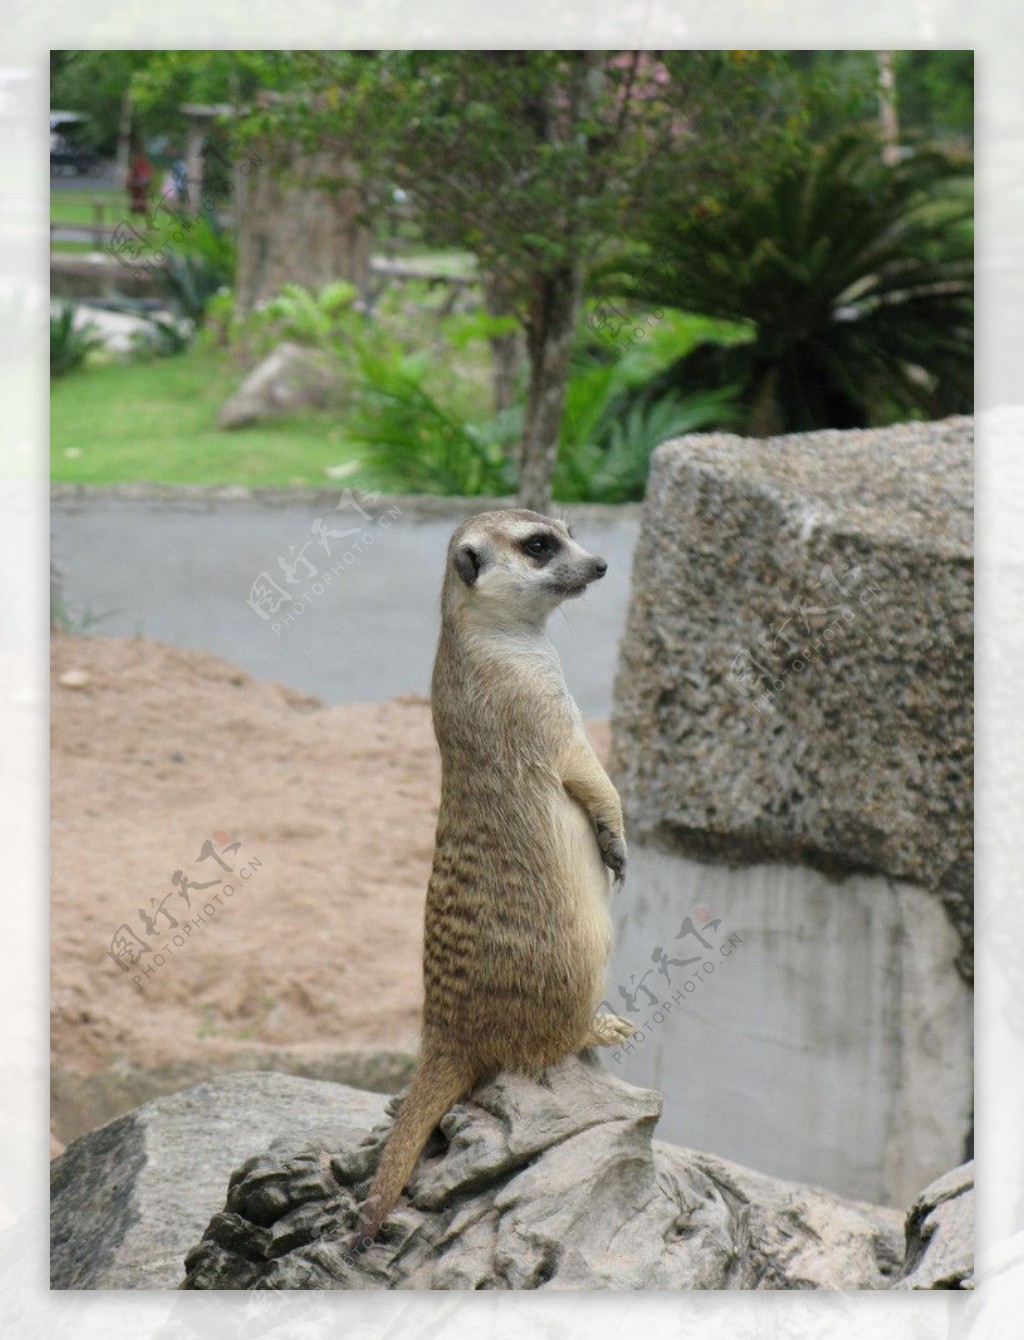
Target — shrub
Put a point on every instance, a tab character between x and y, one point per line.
605	442
411	443
70	341
200	263
856	276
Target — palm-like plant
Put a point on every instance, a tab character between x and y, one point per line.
407	440
856	278
605	442
70	340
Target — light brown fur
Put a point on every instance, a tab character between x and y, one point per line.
517	926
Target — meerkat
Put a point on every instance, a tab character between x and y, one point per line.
529	838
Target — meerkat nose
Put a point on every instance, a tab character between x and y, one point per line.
600	567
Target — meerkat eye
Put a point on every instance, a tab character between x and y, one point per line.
540	546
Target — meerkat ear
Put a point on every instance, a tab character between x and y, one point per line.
467	563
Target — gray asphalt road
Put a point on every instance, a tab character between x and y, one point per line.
184	573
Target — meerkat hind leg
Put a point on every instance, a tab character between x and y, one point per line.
608	1030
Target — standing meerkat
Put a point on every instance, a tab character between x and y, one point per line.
529	836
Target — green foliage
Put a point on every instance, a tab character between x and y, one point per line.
934	92
644	339
94	82
535	156
161	338
70	342
199	263
856	277
324	320
605	444
409	442
189	282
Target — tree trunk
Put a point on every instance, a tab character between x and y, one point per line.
124	136
887	117
550	328
505	351
293	229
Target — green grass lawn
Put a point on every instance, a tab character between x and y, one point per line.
113	423
77	206
78	248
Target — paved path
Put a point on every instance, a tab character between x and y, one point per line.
182	572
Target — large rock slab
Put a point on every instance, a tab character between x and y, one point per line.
940	1234
556	1183
130	1198
792	740
796	677
816	1030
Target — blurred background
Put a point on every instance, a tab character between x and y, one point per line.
671	241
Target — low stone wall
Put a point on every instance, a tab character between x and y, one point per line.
793	745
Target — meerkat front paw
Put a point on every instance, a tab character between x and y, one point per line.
608	1030
613	851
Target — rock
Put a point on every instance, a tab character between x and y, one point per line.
940	1234
292	378
796	677
792	740
129	1199
80	1102
74	679
554	1184
821	1035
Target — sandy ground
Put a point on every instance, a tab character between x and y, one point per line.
157	751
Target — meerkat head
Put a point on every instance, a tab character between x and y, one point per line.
515	566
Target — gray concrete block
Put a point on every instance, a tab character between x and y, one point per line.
795	681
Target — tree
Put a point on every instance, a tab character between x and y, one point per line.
290	228
888	119
294	212
932	92
535	161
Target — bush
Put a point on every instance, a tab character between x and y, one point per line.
70	342
161	338
605	442
856	277
200	263
325	320
411	443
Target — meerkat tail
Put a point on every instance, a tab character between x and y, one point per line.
436	1085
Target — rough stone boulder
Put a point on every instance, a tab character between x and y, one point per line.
551	1184
940	1234
792	741
556	1184
290	379
128	1199
795	681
